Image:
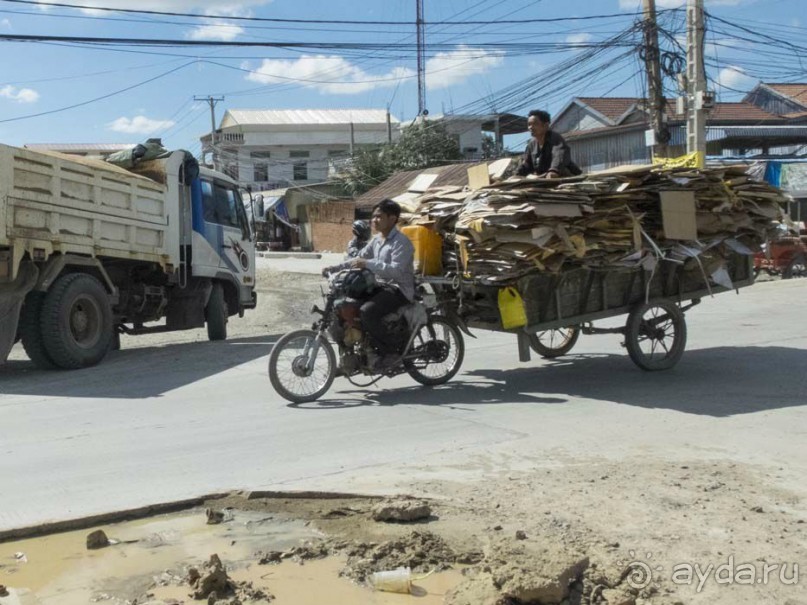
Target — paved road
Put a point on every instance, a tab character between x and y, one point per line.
158	424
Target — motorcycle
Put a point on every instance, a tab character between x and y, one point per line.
303	363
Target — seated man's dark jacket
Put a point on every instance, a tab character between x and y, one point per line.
553	155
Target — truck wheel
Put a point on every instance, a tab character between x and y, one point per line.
216	314
656	335
797	267
76	321
30	330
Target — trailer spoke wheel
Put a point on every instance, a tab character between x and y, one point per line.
554	343
795	268
655	335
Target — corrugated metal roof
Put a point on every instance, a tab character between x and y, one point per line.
235	117
398	183
721	133
79	146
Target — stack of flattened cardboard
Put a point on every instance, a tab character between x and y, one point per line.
616	218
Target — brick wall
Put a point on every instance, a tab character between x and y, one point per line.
331	225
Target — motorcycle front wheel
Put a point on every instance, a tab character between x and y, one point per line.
439	350
302	366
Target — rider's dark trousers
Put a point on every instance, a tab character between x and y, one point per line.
383	302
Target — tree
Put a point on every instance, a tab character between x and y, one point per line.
424	145
420	146
368	168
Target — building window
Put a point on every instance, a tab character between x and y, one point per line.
229	162
260	167
298	154
231	170
300	171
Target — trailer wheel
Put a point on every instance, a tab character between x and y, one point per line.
554	343
30	330
216	314
797	267
655	335
76	321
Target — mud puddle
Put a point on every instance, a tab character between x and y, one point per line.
148	561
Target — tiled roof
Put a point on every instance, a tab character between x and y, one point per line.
797	92
305	116
611	107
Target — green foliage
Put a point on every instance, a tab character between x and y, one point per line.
424	145
421	145
368	168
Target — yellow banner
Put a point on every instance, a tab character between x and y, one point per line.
696	159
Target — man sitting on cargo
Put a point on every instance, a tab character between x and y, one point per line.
390	256
547	154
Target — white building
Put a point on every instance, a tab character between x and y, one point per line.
95	151
277	148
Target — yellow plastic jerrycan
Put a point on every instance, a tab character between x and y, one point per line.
428	249
511	308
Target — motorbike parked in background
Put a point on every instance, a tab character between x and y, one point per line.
304	363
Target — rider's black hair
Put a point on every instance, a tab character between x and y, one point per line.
541	115
388	207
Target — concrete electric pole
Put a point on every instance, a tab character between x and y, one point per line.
212	102
655	90
698	100
421	51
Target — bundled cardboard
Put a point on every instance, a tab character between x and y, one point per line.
628	217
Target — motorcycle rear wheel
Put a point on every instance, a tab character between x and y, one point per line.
289	366
443	350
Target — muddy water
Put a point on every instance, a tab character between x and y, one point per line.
152	557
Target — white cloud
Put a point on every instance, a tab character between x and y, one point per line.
20	95
446	69
328	74
139	125
580	38
217	30
735	79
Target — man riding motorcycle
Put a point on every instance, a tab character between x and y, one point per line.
389	255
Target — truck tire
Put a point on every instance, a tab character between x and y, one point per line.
30	330
76	321
216	314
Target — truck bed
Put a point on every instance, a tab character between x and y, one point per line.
53	203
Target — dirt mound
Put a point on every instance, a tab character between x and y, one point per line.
422	552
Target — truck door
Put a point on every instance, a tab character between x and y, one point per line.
223	244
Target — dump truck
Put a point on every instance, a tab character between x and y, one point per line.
89	250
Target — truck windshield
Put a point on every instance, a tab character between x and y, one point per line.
223	206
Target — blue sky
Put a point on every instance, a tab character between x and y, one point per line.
476	67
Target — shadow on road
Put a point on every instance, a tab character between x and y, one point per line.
722	381
136	373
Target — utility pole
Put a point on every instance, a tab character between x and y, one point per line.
212	102
421	44
698	100
655	90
